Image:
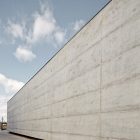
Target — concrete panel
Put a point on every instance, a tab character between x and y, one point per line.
80	125
124	95
118	13
56	136
87	82
120	41
122	125
122	67
72	106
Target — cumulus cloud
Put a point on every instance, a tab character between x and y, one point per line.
24	54
59	36
10	85
16	30
78	24
44	25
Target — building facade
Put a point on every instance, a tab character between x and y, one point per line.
90	90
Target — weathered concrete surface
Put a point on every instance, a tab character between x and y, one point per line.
91	89
4	135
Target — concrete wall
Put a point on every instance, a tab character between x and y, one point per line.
91	89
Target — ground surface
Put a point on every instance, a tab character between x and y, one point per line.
4	135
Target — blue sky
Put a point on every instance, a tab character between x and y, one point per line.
31	32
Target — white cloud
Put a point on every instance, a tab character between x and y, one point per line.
3	112
3	106
44	25
59	36
24	54
16	30
78	24
10	85
43	28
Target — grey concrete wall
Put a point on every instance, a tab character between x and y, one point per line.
91	89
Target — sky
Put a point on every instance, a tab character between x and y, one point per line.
31	32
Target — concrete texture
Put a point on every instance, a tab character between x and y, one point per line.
90	90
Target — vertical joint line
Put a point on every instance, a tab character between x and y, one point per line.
101	92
